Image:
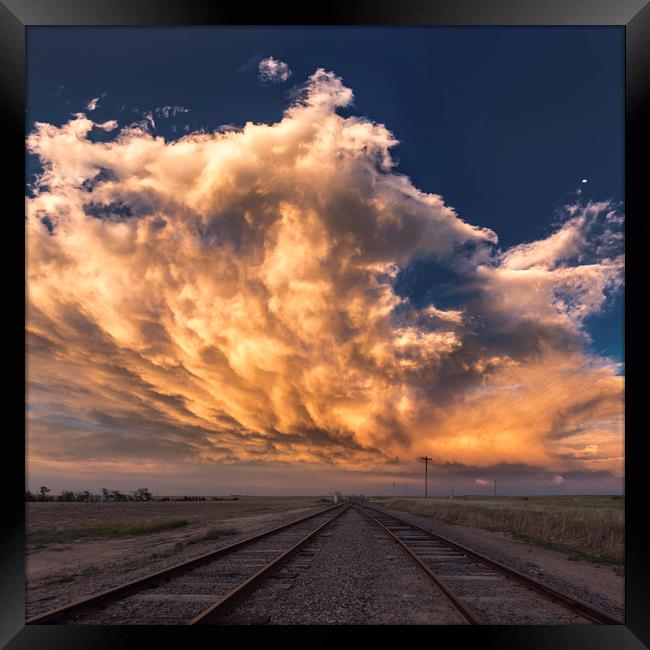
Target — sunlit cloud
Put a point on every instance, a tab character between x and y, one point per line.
233	296
273	71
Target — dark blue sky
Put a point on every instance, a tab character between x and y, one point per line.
502	122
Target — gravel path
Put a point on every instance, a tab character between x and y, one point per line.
497	550
351	574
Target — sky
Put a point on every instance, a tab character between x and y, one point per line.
295	260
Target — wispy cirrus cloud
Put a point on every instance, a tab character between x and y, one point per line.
234	296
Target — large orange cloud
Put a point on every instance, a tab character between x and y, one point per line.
231	296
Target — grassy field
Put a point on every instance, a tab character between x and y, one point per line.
55	522
590	527
42	537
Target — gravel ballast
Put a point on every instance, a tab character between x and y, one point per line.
498	550
44	595
351	574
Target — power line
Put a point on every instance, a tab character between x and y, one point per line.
571	396
528	416
545	387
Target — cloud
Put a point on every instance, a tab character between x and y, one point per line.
109	125
483	482
92	104
273	71
170	111
233	297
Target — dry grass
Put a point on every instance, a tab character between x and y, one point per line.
42	537
55	515
587	526
210	535
217	533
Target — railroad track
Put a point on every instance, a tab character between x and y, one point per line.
201	590
482	590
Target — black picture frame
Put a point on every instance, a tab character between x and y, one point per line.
16	15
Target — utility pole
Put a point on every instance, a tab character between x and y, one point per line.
406	488
426	460
495	487
393	488
452	491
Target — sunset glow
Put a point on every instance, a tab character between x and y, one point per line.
232	297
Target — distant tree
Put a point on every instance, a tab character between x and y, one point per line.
118	496
106	495
67	495
43	492
142	494
30	496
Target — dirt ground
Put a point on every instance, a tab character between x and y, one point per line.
58	573
60	515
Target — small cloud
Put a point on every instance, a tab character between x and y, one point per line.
107	126
482	481
170	111
149	118
557	480
227	128
92	104
271	70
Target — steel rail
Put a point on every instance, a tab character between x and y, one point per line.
128	588
230	600
467	613
578	606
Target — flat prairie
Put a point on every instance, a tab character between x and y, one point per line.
589	527
55	518
75	549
